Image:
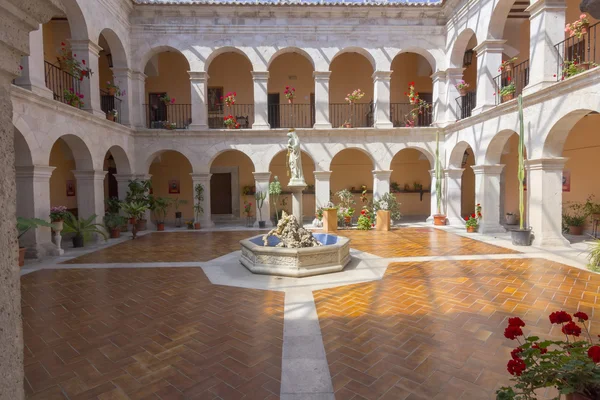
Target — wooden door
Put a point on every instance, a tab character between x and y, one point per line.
157	110
273	109
220	194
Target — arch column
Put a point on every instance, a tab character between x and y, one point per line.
199	83
204	180
90	193
261	180
440	103
454	195
138	98
322	188
33	75
487	193
124	78
544	199
489	58
90	86
33	201
381	97
381	183
322	120
261	111
547	22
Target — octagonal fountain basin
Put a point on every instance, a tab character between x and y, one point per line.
270	260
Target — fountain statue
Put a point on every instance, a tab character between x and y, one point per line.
294	160
291	234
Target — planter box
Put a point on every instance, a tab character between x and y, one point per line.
439	220
576	230
330	220
383	220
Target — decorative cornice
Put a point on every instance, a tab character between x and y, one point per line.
322	175
492	169
89	175
262	176
382	75
260	75
321	75
202	177
198	75
381	174
546	164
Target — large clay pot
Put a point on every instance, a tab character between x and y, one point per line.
384	220
196	225
330	220
575	230
508	97
472	229
115	233
22	256
439	220
347	125
77	241
160	226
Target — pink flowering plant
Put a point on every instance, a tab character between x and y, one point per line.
579	27
229	99
570	365
58	213
420	106
355	96
73	98
462	85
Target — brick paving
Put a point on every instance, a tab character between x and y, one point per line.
434	330
156	333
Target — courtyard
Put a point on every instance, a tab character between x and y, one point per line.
419	313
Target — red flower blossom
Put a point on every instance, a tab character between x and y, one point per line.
83	62
594	353
542	350
511	332
466	218
515	321
363	212
581	316
508	78
571	328
516	367
473	216
515	353
21	67
62	44
559	317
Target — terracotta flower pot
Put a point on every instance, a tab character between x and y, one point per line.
112	91
575	230
115	233
110	117
347	220
22	256
291	101
439	220
160	227
347	125
508	97
509	67
384	220
472	229
196	225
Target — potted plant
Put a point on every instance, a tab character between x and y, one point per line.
594	256
570	365
521	236
579	27
82	228
507	92
351	99
290	94
365	220
384	215
592	208
198	209
23	226
472	223
275	192
68	62
169	125
112	115
439	219
139	193
260	201
230	122
330	219
177	202
166	99
190	224
135	210
159	207
345	208
388	202
420	106
113	223
229	99
72	98
511	219
113	89
57	216
248	213
575	218
318	221
395	187
508	65
462	87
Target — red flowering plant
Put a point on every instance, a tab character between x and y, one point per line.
248	209
507	63
290	93
230	122
73	98
166	99
420	106
570	365
229	99
68	62
473	219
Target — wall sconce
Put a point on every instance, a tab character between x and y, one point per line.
464	160
468	58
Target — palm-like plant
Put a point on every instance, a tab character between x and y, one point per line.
83	228
594	256
159	207
25	224
135	210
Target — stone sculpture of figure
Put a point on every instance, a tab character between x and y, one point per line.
294	159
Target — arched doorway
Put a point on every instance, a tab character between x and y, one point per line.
410	182
410	68
460	183
231	185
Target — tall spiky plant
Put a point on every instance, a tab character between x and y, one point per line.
438	173
521	170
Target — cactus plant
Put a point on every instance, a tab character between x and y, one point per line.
260	200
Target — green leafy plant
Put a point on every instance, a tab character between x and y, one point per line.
395	187
275	192
83	227
159	207
319	214
260	201
199	196
591	207
388	202
576	214
594	256
113	205
508	89
365	220
135	210
25	224
139	191
58	213
114	221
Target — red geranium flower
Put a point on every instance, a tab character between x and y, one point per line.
511	332
472	215
560	317
581	316
515	353
466	218
594	353
542	350
516	367
515	321
571	328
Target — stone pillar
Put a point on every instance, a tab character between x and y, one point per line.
261	109
33	201
381	183
381	99
297	202
90	193
489	58
262	185
454	196
123	184
487	193
123	79
544	200
322	188
199	83
440	102
33	76
434	195
547	22
322	120
138	99
453	110
88	51
204	180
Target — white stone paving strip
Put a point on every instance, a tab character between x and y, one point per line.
304	370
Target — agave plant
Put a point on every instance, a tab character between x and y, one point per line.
83	228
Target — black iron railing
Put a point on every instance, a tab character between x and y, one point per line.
168	116
400	115
466	104
111	105
60	81
243	113
357	115
577	54
515	77
291	115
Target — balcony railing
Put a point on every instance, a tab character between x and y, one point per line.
58	81
108	103
466	104
162	116
243	113
357	115
291	115
518	75
399	113
582	51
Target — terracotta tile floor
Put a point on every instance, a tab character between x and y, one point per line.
169	247
148	334
434	330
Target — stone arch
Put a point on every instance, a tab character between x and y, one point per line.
373	162
81	152
498	19
457	153
223	50
291	49
496	146
121	159
163	48
364	52
117	49
304	152
555	141
420	51
77	21
430	157
214	156
23	157
148	161
460	46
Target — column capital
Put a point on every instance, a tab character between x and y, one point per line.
122	72
34	171
138	75
200	176
454	73
322	175
382	75
89	175
260	75
85	45
262	176
545	5
198	75
321	75
546	164
454	173
382	174
492	169
439	76
490	46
